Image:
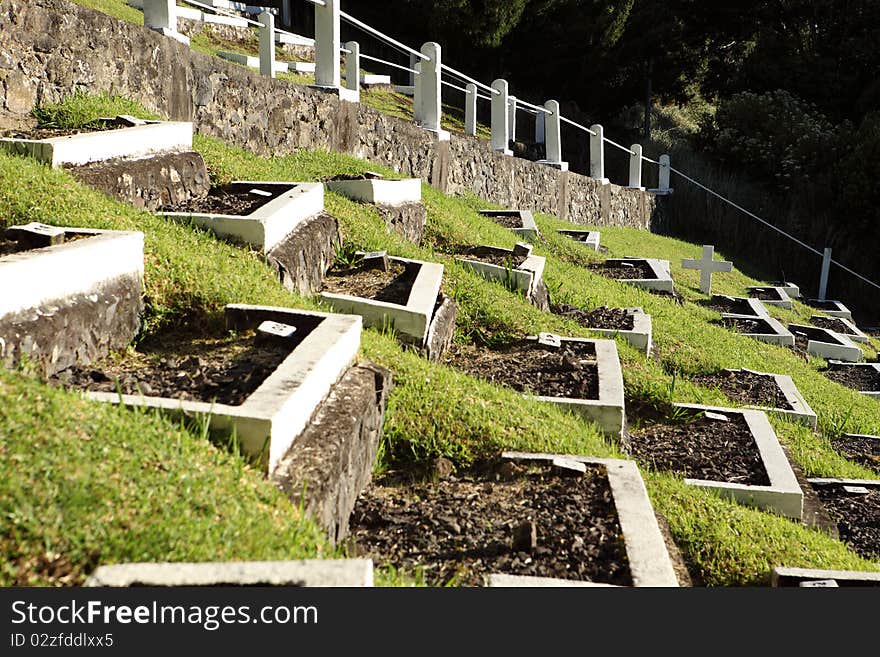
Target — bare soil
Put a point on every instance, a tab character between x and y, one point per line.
863	379
832	324
15	242
748	325
857	517
815	334
232	199
506	219
766	294
44	132
367	282
746	388
730	305
515	519
860	449
600	318
632	270
493	256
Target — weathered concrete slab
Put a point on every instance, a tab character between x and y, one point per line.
442	328
304	256
407	220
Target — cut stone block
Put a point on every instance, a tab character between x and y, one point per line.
251	61
782	576
800	410
527	278
73	302
661	280
378	190
646	551
771	296
768	329
527	229
312	572
588	237
839	365
85	147
847	328
828	344
608	410
411	320
278	411
639	336
784	494
831	308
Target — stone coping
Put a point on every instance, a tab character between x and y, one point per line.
58	271
526	277
832	346
586	237
873	394
86	147
783	576
412	319
852	332
839	310
661	281
269	224
608	410
278	411
780	336
784	495
301	573
528	229
649	561
800	411
639	336
378	190
784	301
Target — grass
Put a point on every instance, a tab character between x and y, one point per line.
108	480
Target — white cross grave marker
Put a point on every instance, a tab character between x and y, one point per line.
707	265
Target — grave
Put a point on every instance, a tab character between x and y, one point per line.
839	325
772	393
854	504
826	344
864	377
632	324
830	308
771	296
521	222
737	455
390	291
648	273
69	295
518	269
706	266
398	201
302	573
766	329
782	576
737	306
859	447
286	222
791	289
588	237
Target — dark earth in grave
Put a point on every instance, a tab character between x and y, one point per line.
570	371
493	256
832	324
821	305
746	388
729	305
367	175
806	333
857	516
370	282
600	318
239	199
861	449
748	325
702	448
863	379
506	219
632	270
515	519
48	132
15	240
766	294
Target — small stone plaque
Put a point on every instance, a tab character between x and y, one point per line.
549	340
275	332
259	192
819	584
130	120
375	260
36	235
522	250
568	467
716	416
856	490
372	175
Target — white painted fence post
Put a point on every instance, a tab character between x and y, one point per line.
553	136
823	278
635	166
511	118
540	129
470	110
327	43
499	117
353	63
597	152
267	44
429	87
161	16
663	174
418	114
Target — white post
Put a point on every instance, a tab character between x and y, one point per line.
267	44
499	117
470	110
597	152
635	166
327	43
353	66
823	278
511	118
553	136
161	16
663	174
418	114
540	129
429	87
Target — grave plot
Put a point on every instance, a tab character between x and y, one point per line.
859	447
521	222
740	306
517	269
854	504
774	393
825	344
391	291
817	577
771	296
734	452
398	201
864	377
589	238
576	519
69	295
791	289
284	221
113	137
264	379
647	273
302	573
766	329
579	374
830	308
633	324
839	325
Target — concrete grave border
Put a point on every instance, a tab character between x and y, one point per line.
527	277
269	224
412	319
528	229
281	407
781	336
758	308
855	577
784	301
873	394
639	336
87	147
791	289
801	410
839	309
646	551
306	572
662	281
853	334
591	237
838	346
379	190
784	494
